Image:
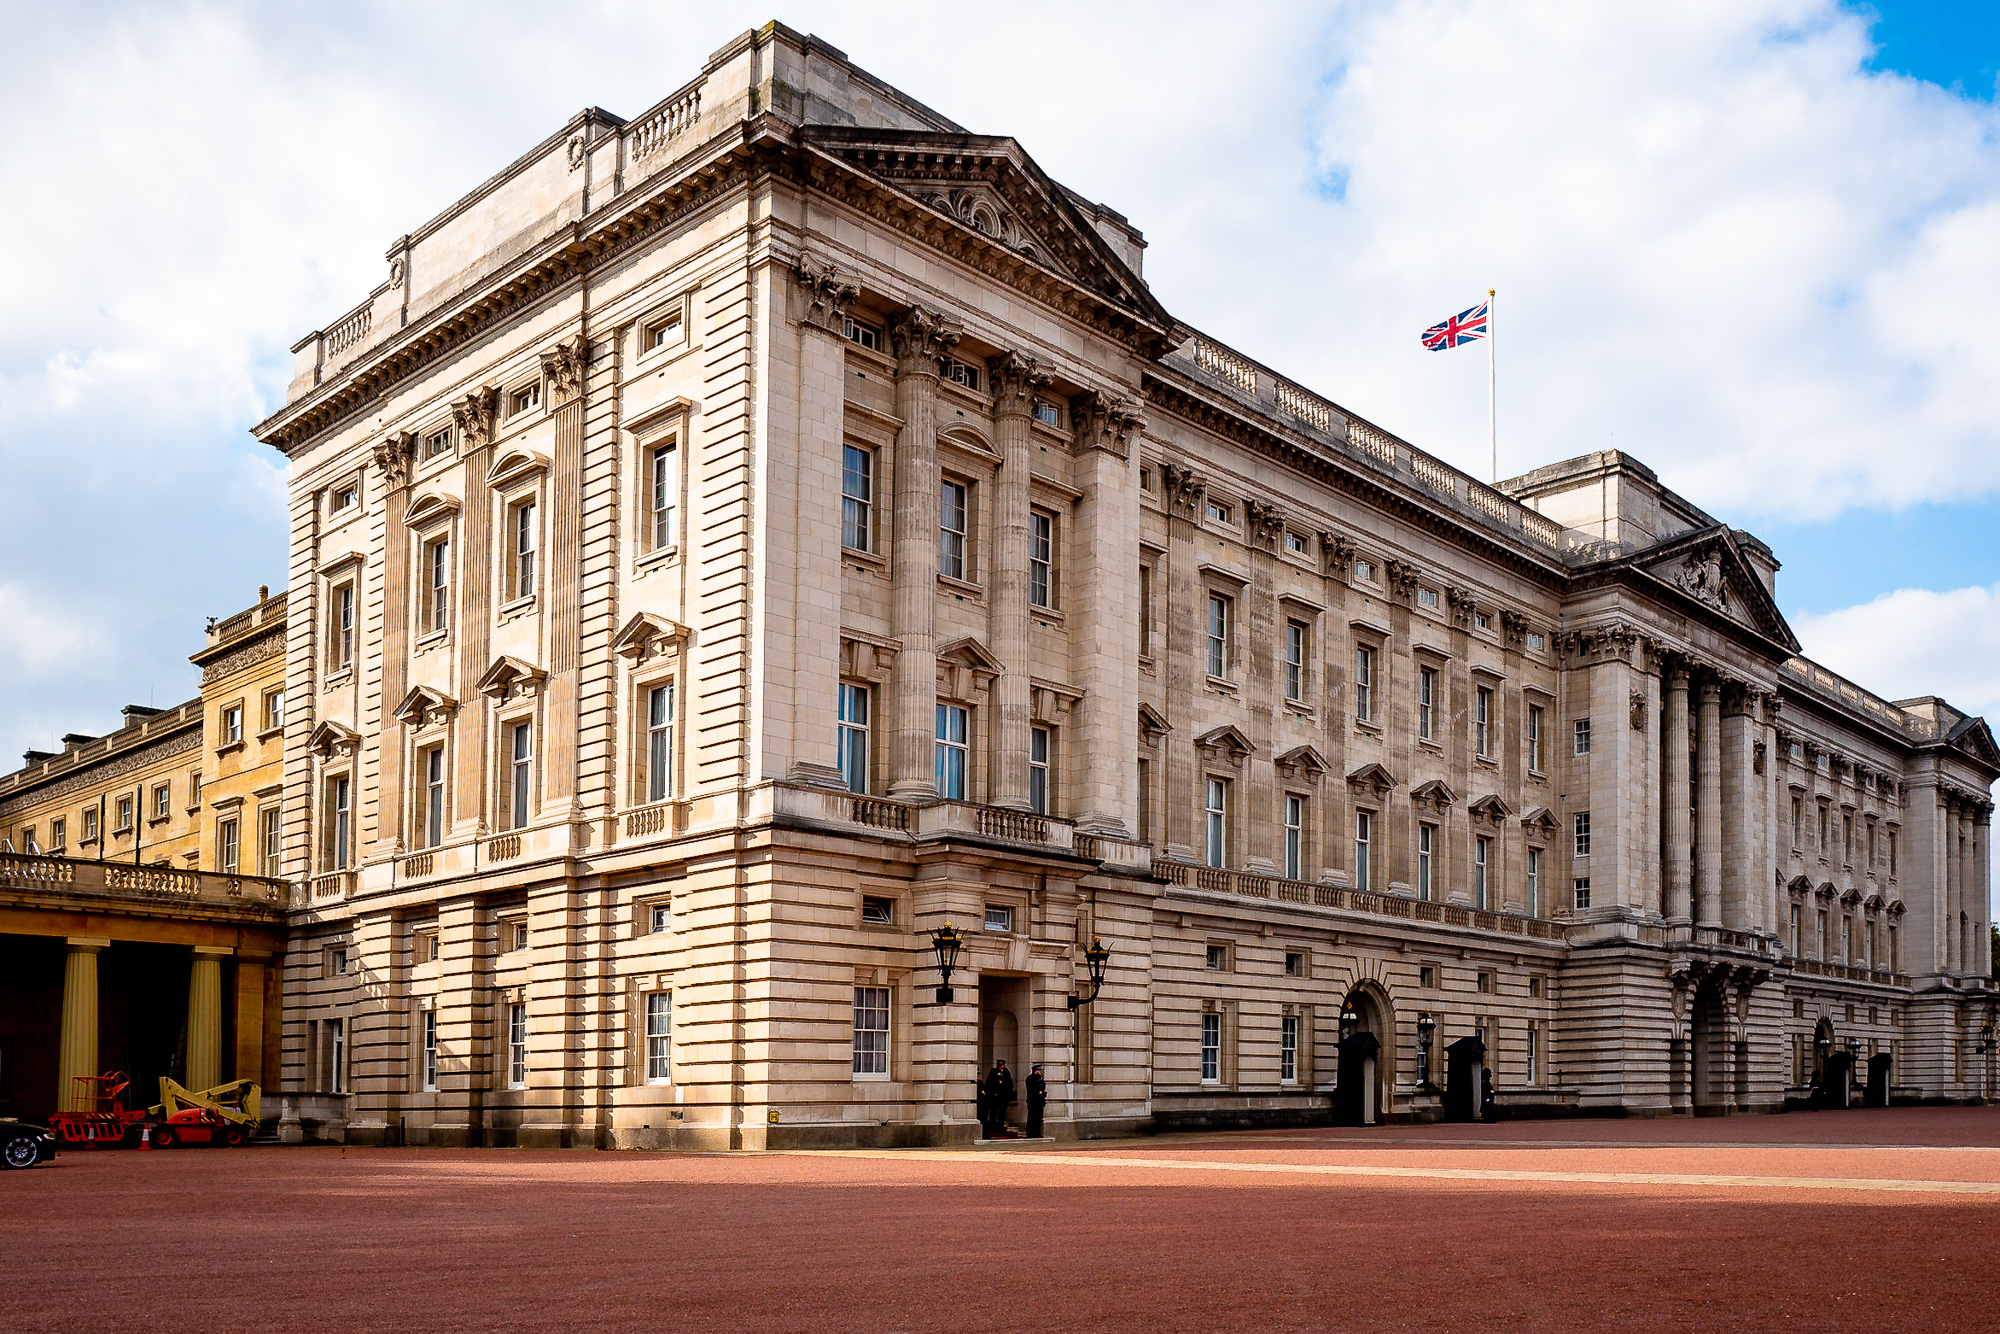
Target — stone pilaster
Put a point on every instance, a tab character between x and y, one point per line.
563	573
77	1054
920	337
393	459
1104	616
463	1003
1708	806
249	1016
1674	771
1181	657
1014	379
204	1018
1736	809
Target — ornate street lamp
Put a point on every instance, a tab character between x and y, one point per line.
1095	958
1427	1028
947	943
1350	1022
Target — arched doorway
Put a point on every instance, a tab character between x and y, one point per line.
1708	1031
1367	1060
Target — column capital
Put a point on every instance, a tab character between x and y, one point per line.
920	336
827	293
1106	421
1015	380
216	951
87	942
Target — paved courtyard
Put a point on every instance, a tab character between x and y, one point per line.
1835	1220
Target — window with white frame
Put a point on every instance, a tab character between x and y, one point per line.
1295	836
660	722
953	742
1580	736
340	628
340	823
162	801
1040	745
228	847
1215	816
89	826
271	843
878	910
435	608
1047	413
1532	1066
1219	612
1427	597
958	372
1426	845
524	399
1580	892
1288	1049
124	824
1296	544
1364	830
517	1046
430	1051
659	1037
1534	738
1580	831
999	917
232	724
1533	887
336	1050
520	772
430	764
438	442
58	836
851	734
1364	684
871	1032
867	335
274	710
1041	559
1482	722
1211	1048
1427	684
1297	637
521	546
953	511
346	496
1220	513
659	916
857	498
1482	856
664	331
662	495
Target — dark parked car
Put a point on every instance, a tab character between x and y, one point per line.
24	1145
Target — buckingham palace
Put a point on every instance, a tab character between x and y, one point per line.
734	543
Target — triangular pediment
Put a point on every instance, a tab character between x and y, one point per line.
647	633
967	651
1436	792
1152	723
1303	759
1539	817
1707	566
424	705
1973	737
508	674
331	738
1490	807
986	198
1227	740
1372	775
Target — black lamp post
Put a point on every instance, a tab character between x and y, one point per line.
1095	958
947	943
1350	1022
1427	1028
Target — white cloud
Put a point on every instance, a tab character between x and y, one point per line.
1916	642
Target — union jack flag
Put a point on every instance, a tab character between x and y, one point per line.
1460	328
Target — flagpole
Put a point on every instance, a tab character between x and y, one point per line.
1492	412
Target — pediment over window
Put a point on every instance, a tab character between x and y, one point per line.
1539	817
1372	776
1827	890
514	464
1490	808
1798	887
1049	701
330	739
508	676
648	635
1152	724
1895	909
429	508
1303	761
1851	897
1436	794
1874	903
1226	743
965	667
867	657
424	706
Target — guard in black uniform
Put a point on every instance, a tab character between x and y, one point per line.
999	1092
1038	1098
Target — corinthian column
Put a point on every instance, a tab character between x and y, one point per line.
1674	779
1708	809
1015	379
920	337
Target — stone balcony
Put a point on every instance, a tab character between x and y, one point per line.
145	889
1339	898
936	821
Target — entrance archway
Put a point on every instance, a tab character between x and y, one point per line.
1367	1061
1708	1031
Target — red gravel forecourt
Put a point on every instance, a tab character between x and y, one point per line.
1878	1220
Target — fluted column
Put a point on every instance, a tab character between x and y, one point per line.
1949	893
920	337
1104	615
204	1021
1708	808
1674	768
1015	379
77	1054
1982	889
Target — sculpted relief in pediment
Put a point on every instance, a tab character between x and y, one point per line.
1700	577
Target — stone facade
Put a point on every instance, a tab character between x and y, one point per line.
735	542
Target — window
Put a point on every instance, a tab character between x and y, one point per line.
999	917
1364	684
437	442
857	498
339	961
664	477
346	496
1047	413
1892	859
520	768
1483	984
1534	738
1895	957
1363	828
851	735
194	788
1798	818
1295	837
1426	842
665	331
1295	963
1041	559
521	400
1823	942
436	608
1364	570
958	372
1534	885
517	1046
1038	770
660	742
951	529
1427	681
162	800
1218	635
1427	597
1296	544
1535	987
659	917
1580	827
1295	661
432	947
1288	1049
871	1031
1534	1054
1535	642
1580	893
1846	840
516	935
1215	810
1581	731
124	816
1482	853
274	710
1145	611
1211	1048
1427	976
340	631
659	1038
1218	512
865	334
89	825
1822	829
878	911
1482	723
58	836
952	743
271	843
432	763
340	824
1481	621
1795	930
232	725
228	847
430	1044
1216	957
336	1045
522	531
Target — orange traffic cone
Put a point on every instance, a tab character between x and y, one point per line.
145	1137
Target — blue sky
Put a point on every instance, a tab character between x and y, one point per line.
1751	242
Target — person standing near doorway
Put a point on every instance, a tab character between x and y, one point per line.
999	1091
1038	1098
